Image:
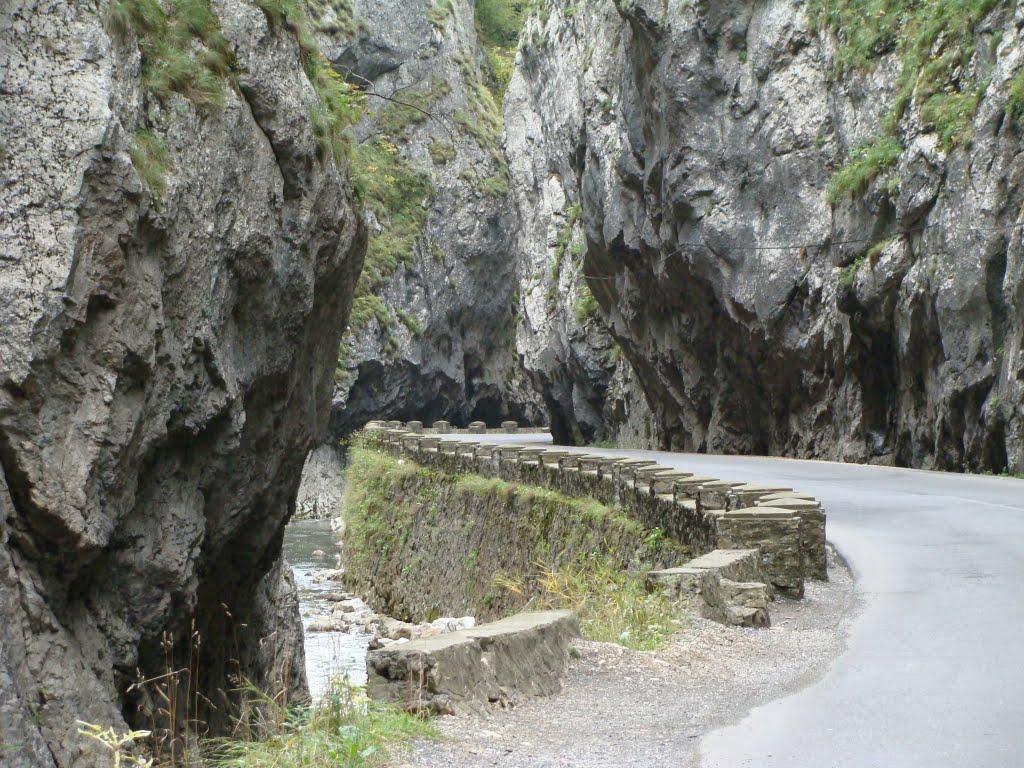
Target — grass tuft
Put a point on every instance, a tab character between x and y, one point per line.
344	728
612	605
150	157
183	50
866	163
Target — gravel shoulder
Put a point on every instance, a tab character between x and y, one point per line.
631	708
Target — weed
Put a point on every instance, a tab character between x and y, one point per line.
149	156
183	50
410	322
586	307
934	41
612	604
496	185
848	274
441	151
874	253
394	191
1015	100
343	728
440	12
866	162
118	744
572	215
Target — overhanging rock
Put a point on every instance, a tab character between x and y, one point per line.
523	656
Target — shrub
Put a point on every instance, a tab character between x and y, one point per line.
441	151
586	307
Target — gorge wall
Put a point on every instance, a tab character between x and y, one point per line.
178	252
796	230
432	330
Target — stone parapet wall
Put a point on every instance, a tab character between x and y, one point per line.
703	513
428	539
520	657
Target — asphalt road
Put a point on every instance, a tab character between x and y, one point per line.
933	675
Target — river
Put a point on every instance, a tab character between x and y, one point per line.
328	654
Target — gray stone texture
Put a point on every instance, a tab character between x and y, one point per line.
699	137
469	671
725	585
164	370
458	361
776	535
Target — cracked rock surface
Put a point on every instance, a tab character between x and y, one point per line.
165	366
698	138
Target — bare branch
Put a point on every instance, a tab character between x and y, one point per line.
369	90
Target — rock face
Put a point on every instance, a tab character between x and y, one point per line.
688	148
165	366
588	389
432	336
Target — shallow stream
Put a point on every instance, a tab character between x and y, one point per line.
328	654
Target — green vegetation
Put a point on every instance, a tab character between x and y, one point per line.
614	354
394	192
410	322
848	274
1015	102
344	21
406	525
934	42
183	50
441	151
498	23
339	104
414	109
440	12
874	253
572	215
586	307
496	185
612	604
343	728
149	156
865	164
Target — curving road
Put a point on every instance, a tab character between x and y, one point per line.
933	675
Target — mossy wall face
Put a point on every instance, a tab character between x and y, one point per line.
421	543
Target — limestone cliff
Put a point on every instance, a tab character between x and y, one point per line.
178	252
802	227
432	331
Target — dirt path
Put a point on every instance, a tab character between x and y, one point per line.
627	708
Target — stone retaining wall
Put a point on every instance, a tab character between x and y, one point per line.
421	543
704	513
